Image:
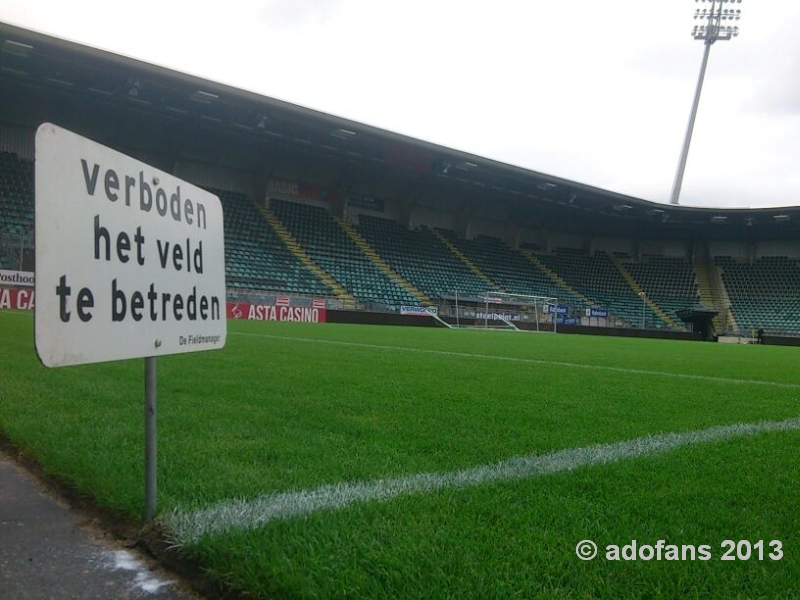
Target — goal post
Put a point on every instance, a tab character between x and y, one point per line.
504	310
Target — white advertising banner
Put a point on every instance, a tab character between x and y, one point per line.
16	278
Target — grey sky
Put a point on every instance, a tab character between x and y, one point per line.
597	92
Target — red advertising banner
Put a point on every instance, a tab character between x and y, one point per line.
264	312
17	299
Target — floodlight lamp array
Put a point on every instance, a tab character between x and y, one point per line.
714	32
726	14
717	16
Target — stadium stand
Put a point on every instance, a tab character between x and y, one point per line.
510	269
763	293
597	278
421	258
255	256
331	248
16	208
669	282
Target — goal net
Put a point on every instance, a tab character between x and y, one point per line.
520	312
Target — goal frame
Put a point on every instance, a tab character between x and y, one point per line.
544	318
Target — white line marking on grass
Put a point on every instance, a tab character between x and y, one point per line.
189	527
533	361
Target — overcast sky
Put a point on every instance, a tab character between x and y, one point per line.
597	92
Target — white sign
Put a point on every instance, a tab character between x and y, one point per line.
130	261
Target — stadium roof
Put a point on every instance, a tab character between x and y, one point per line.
133	105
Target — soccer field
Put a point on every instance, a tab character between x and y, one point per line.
333	460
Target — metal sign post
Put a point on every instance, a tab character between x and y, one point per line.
150	440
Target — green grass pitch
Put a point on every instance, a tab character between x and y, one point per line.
287	410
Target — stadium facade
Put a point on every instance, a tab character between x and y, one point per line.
324	212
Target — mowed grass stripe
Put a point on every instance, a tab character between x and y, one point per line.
188	527
532	361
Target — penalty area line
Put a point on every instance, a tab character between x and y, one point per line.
189	526
532	361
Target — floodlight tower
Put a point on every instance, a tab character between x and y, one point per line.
717	28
